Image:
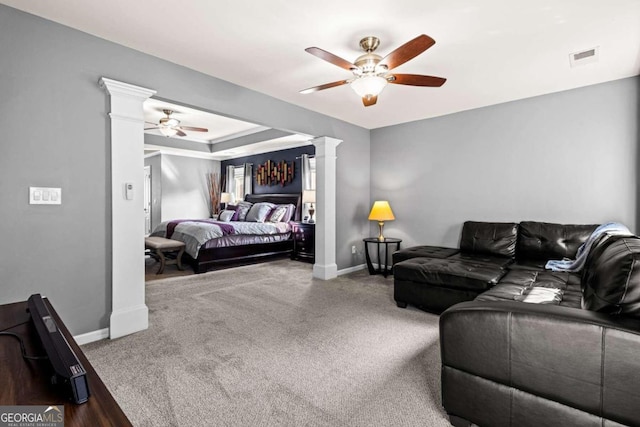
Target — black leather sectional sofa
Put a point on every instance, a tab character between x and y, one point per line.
573	362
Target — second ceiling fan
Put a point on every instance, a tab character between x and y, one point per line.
371	72
170	126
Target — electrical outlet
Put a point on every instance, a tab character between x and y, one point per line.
353	249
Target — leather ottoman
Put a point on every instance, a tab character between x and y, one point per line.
435	284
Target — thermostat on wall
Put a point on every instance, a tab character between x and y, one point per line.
128	190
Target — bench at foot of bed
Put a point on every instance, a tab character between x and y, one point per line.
162	246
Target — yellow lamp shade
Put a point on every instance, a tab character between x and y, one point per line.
381	211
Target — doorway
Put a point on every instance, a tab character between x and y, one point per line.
129	311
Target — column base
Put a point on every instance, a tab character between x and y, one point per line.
325	272
129	320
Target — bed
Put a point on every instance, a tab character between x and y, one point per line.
211	242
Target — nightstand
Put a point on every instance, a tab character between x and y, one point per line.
304	241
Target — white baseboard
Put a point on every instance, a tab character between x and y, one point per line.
129	320
92	336
351	269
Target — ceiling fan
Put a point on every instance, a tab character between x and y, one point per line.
371	72
169	126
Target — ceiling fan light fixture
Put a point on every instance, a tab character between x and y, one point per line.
169	122
368	85
168	131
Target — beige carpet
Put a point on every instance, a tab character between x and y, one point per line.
151	267
267	345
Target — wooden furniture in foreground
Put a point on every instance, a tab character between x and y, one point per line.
386	242
304	241
26	382
162	246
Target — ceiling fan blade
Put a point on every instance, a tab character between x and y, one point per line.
194	129
407	51
324	86
330	57
152	128
416	80
180	133
369	100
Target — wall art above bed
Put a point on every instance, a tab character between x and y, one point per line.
274	173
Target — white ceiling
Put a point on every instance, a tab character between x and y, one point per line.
239	138
491	51
220	128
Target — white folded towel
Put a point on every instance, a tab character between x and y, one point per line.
540	295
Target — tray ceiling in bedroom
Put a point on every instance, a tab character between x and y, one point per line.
224	137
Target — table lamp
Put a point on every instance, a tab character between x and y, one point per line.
309	196
225	198
381	212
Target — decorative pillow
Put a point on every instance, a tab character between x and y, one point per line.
278	213
259	212
226	215
288	216
233	208
242	209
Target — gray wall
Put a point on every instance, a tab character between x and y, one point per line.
179	186
54	125
184	186
568	157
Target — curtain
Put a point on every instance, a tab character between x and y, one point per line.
230	188
305	172
248	178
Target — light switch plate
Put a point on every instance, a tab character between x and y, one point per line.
45	196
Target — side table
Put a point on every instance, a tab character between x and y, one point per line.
386	242
304	242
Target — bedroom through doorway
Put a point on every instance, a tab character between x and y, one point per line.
129	312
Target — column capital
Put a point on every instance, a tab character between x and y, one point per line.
325	145
116	88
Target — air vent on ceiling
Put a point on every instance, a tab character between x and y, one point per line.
584	56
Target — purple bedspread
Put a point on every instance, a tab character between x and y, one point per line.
225	227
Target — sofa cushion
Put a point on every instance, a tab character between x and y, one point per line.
611	283
491	238
528	264
516	281
448	273
499	261
423	251
545	241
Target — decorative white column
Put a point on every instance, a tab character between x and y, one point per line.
325	267
129	313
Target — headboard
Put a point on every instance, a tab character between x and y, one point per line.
279	199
